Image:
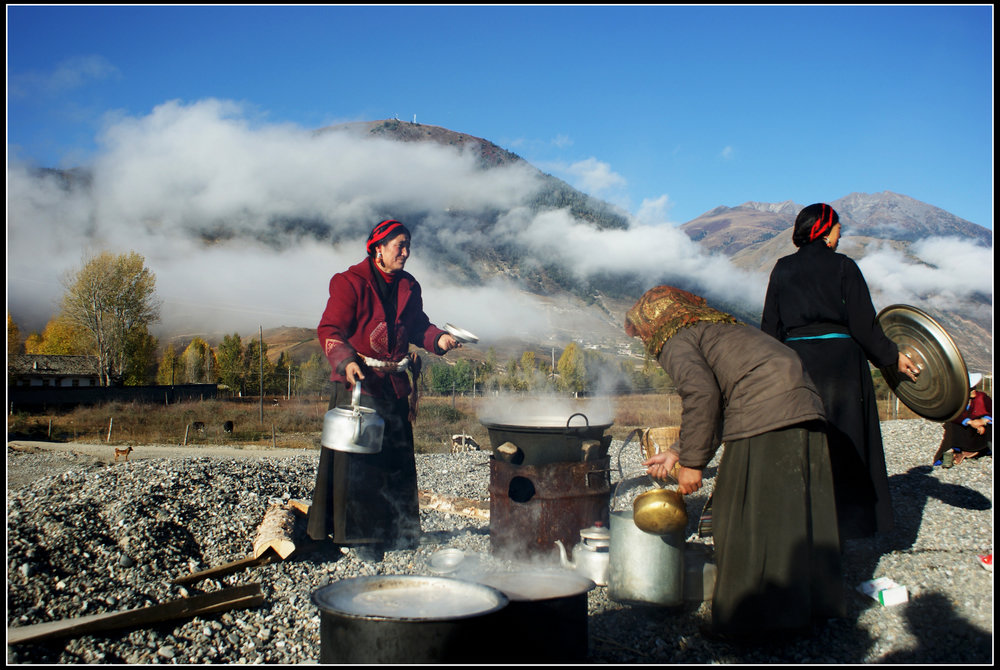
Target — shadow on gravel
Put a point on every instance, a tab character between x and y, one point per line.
944	637
910	492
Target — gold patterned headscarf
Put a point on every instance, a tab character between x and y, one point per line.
664	310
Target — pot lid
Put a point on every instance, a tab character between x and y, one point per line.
596	532
941	391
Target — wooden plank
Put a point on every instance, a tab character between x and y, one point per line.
238	596
228	568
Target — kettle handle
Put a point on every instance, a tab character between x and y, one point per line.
356	414
636	431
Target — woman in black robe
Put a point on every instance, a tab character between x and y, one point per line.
819	305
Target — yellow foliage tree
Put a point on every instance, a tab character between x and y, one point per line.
13	337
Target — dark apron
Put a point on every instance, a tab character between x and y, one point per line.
369	498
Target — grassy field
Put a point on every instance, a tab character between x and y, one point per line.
297	423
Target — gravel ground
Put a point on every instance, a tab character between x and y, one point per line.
86	536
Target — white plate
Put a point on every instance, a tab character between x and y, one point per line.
460	334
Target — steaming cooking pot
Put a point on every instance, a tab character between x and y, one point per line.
354	429
546	619
543	440
406	619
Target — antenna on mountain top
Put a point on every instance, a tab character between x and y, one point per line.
414	118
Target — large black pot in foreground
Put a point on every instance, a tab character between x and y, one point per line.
546	620
406	619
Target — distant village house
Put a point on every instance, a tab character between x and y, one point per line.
30	370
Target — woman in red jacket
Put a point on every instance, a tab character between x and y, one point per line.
374	313
970	434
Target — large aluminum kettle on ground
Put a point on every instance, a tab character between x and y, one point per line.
591	557
354	429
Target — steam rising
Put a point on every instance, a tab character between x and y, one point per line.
200	190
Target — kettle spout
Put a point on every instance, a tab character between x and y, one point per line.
563	558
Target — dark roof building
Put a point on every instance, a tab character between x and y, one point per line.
62	371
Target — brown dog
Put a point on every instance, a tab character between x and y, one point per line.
122	452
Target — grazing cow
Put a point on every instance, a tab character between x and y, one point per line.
460	443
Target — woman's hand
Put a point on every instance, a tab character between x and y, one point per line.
660	466
447	342
979	425
353	373
908	367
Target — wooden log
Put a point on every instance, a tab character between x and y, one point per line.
476	509
238	596
226	569
276	531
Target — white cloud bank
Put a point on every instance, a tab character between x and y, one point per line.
211	165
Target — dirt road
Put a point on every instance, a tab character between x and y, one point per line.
63	456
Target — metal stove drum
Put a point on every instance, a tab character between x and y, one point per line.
549	477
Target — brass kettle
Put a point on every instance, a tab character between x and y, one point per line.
660	510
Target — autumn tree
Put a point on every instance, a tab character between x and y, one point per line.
314	376
198	363
13	337
111	297
166	374
140	358
572	369
230	359
61	337
255	364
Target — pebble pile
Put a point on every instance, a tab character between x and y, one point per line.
87	537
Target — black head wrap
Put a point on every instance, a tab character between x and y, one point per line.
813	222
386	230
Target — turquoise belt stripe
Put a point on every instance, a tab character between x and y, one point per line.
828	336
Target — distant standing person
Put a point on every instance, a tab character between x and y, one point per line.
375	311
818	304
970	434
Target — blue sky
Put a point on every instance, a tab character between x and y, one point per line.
680	108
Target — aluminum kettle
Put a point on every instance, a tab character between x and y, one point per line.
591	557
354	429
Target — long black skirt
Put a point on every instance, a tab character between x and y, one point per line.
842	376
964	438
369	498
774	521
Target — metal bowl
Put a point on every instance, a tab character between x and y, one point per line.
461	334
446	560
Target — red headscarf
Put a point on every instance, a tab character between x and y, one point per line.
813	222
386	230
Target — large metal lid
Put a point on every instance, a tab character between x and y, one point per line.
941	391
